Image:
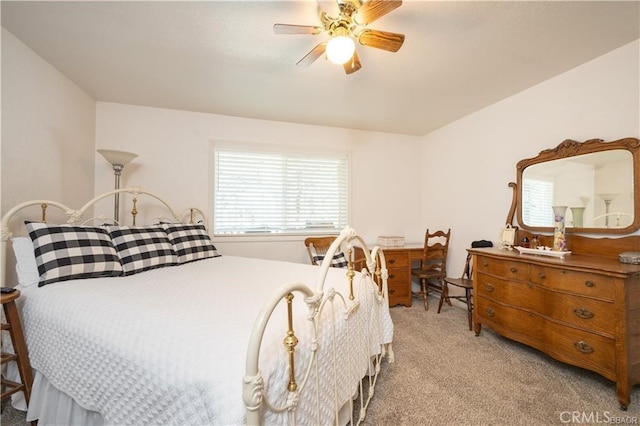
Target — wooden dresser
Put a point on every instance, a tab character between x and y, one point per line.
583	310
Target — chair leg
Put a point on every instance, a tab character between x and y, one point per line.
425	293
442	285
469	308
444	295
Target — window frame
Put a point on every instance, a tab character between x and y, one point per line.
268	148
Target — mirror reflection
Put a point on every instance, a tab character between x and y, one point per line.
595	182
597	189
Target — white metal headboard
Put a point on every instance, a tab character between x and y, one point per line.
76	216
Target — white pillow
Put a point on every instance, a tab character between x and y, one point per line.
26	266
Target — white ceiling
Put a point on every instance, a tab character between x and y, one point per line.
222	57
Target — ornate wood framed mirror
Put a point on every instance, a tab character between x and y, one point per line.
598	181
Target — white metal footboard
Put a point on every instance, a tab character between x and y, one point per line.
364	345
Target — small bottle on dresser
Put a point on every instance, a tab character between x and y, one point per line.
534	242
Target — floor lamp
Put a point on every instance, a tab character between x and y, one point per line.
118	159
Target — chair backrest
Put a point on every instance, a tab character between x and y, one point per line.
317	246
466	274
436	248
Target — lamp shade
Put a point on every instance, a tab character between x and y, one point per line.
117	158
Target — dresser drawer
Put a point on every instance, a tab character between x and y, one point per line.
516	293
588	314
399	287
584	312
509	270
398	276
396	259
565	343
522	323
581	283
581	348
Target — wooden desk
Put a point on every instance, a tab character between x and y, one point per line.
399	262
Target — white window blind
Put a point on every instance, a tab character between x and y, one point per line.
537	199
258	191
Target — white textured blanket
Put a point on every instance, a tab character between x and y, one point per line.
168	346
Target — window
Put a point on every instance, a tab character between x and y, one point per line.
537	198
264	190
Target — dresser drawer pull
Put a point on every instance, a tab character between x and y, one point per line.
391	276
485	263
542	275
583	313
392	261
514	270
583	347
391	291
489	288
490	312
589	284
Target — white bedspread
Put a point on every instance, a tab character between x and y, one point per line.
168	346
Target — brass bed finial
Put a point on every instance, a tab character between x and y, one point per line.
134	210
290	342
350	272
44	206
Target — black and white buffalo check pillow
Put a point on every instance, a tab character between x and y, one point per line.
339	260
142	248
66	252
191	242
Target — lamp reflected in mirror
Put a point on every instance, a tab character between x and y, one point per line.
607	198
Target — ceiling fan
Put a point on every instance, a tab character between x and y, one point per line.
350	24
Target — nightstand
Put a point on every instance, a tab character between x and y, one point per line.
21	356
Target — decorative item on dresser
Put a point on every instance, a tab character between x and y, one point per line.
584	308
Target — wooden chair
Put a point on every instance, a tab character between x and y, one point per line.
21	354
317	246
433	267
464	282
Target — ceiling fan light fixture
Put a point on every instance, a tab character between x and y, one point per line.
340	49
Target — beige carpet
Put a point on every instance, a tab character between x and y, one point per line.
445	375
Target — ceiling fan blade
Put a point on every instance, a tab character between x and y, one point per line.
314	54
381	40
353	64
296	29
375	9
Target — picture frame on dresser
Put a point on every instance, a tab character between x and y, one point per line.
582	309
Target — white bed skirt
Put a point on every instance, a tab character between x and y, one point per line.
50	406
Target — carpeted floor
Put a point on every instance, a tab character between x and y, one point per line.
445	375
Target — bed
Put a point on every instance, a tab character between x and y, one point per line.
198	337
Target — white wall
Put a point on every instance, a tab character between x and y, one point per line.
454	177
47	135
174	161
47	131
469	163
